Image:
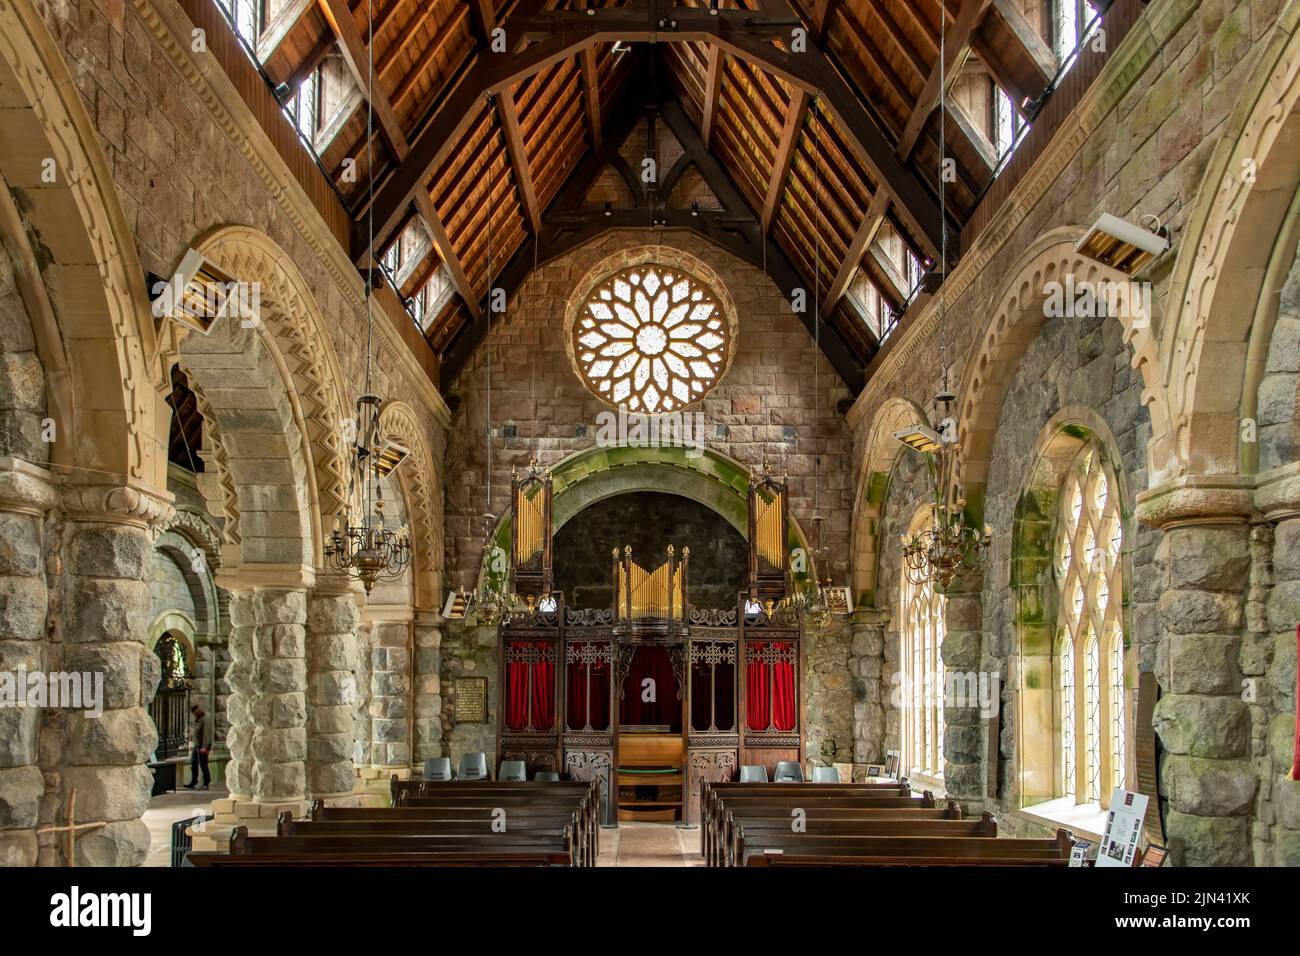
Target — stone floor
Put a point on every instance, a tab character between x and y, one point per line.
650	844
166	809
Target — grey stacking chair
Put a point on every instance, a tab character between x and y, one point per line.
437	768
546	776
753	774
472	767
825	775
788	771
512	771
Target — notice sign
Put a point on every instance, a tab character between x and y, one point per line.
471	700
1123	828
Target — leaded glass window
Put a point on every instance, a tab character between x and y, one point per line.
1090	643
923	677
651	339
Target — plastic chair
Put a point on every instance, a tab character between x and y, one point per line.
753	774
825	775
788	771
472	767
512	771
547	776
437	768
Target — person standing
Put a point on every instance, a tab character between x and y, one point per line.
200	747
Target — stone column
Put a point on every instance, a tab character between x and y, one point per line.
390	692
1204	725
1274	710
26	494
965	752
107	550
427	680
279	702
240	692
829	686
332	618
867	666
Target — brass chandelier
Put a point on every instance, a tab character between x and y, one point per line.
361	545
949	546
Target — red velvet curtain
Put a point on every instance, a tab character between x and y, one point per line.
652	662
518	694
769	691
576	700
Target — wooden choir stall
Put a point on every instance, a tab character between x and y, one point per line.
652	696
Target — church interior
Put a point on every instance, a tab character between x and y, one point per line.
647	420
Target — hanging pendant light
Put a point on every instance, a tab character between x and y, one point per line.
359	544
948	547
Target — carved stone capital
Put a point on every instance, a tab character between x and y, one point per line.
129	504
1198	500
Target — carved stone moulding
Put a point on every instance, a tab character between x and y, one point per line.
129	504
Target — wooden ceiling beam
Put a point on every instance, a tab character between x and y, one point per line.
278	30
795	115
356	56
712	92
862	240
956	49
1027	37
591	94
518	153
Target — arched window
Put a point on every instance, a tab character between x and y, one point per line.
1089	651
921	723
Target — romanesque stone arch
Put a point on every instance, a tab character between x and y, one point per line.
1014	321
879	456
422	489
62	221
1218	292
273	389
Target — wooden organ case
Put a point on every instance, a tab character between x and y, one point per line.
727	684
530	544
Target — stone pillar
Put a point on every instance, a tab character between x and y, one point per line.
867	667
1204	725
965	752
240	693
279	702
427	680
1274	657
107	549
26	494
332	618
390	693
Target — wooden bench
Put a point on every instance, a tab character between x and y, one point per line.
399	847
905	851
400	824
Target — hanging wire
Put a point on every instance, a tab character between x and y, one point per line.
817	316
366	485
487	344
943	218
532	370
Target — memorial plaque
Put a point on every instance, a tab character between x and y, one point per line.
471	700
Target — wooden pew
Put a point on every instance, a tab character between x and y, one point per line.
849	823
434	820
906	851
399	847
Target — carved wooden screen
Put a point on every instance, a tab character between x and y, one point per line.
713	687
588	666
529	688
771	687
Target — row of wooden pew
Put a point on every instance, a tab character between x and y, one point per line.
478	823
868	824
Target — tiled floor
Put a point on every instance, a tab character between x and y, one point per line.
166	809
650	844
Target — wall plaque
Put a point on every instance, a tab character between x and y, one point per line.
471	700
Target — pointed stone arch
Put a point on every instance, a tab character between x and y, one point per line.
1218	293
1014	321
879	456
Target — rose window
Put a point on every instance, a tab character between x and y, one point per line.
651	339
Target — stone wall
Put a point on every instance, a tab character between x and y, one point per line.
468	652
1205	604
